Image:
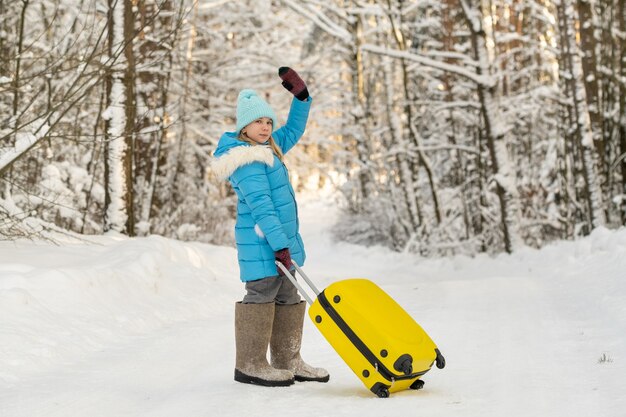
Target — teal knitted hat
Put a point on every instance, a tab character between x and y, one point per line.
251	107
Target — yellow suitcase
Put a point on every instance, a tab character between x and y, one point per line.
382	344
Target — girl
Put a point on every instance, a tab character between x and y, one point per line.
271	313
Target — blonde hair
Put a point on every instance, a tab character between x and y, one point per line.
275	148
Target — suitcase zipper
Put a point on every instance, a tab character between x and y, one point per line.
360	345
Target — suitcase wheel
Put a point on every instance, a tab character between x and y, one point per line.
440	361
418	384
404	364
382	391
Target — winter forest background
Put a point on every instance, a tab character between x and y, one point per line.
449	126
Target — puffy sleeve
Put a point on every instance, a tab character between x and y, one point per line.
289	134
254	186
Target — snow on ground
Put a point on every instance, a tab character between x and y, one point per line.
144	327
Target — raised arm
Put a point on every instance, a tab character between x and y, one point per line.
289	134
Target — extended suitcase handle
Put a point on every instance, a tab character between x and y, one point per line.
296	283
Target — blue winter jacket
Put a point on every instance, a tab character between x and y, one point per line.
267	214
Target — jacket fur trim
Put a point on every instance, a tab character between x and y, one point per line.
224	166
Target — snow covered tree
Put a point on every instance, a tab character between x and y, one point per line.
504	176
57	74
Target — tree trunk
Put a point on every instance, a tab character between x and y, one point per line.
582	119
622	104
130	109
153	80
358	112
119	120
590	79
570	170
3	49
18	62
16	90
95	157
355	134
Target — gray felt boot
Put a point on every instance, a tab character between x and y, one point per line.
253	329
287	340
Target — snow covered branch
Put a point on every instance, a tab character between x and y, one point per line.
320	19
484	80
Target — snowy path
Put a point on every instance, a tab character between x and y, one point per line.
144	328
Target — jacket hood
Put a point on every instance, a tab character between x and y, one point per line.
232	153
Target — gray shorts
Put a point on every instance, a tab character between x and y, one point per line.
277	290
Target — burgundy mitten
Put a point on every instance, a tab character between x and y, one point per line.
284	257
293	83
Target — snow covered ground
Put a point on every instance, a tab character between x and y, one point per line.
144	327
